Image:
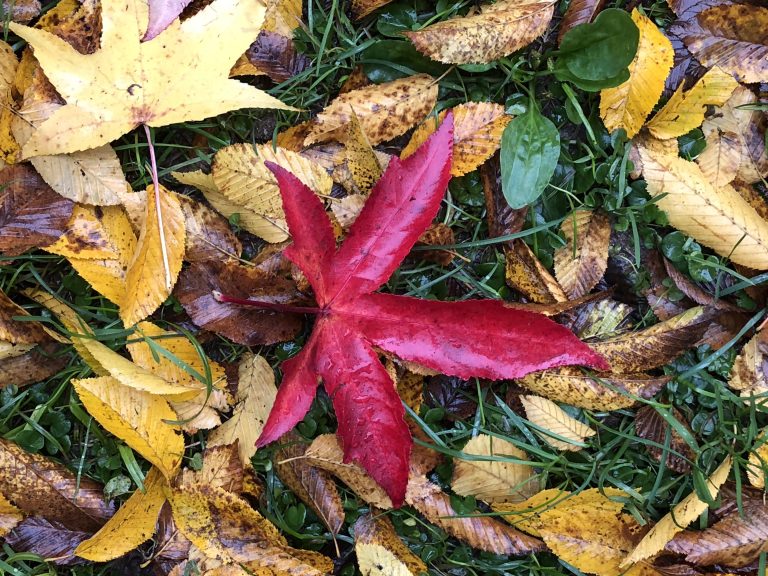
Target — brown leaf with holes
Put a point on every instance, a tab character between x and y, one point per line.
314	486
579	12
242	325
650	425
581	263
276	56
32	215
381	552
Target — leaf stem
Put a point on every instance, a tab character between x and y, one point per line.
219	297
158	209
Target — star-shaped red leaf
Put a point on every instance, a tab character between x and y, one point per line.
480	338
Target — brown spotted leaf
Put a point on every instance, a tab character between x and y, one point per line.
380	552
54	540
529	277
749	374
579	12
38	364
276	56
581	263
361	8
209	236
32	215
18	331
650	425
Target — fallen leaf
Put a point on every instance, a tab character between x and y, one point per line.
22	10
717	217
499	30
452	395
681	515
558	429
209	236
163	90
758	461
581	263
579	12
380	552
137	417
370	414
497	475
283	16
628	105
361	159
276	56
10	516
53	540
720	160
383	110
748	374
161	14
685	110
361	8
132	525
600	319
15	331
435	236
650	425
528	276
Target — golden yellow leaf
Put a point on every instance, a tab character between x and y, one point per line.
685	111
138	418
758	461
363	164
683	513
581	263
628	105
283	16
555	422
720	160
493	480
128	82
10	516
380	552
499	30
747	374
197	178
132	525
256	393
717	217
477	130
384	110
526	274
157	261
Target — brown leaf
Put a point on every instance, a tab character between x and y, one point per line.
380	552
502	218
529	277
222	468
243	325
39	486
361	8
21	10
749	374
31	214
579	12
209	236
315	487
438	234
687	9
599	319
581	263
453	395
37	365
18	331
53	540
650	425
276	56
481	532
694	292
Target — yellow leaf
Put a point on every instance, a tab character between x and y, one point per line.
684	512
138	418
10	516
384	110
493	480
362	162
720	160
477	130
499	30
628	105
256	393
758	461
685	111
157	261
361	8
132	525
555	422
380	552
128	82
581	263
717	217
747	374
283	16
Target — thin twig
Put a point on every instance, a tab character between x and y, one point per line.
156	186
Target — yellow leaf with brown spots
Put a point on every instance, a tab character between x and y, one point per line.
628	105
558	429
132	525
157	261
477	130
581	263
498	30
361	8
8	66
528	276
685	110
283	16
748	374
361	160
683	513
384	110
380	552
138	418
128	82
10	516
717	217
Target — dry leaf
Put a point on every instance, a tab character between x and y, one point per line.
209	236
683	513
600	319
650	425
748	373
499	30
10	516
40	363
380	552
581	263
276	56
528	276
493	480
555	422
361	160
19	331
628	105
361	8
222	468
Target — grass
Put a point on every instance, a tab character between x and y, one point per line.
593	172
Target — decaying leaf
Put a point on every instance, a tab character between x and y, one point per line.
384	110
276	56
579	12
628	105
526	274
681	515
53	540
361	8
748	374
581	263
380	552
209	236
40	363
499	30
10	516
558	428
497	475
222	468
600	319
650	425
361	159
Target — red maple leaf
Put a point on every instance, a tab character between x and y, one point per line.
481	338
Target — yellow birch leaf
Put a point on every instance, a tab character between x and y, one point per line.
477	130
499	30
348	209
256	392
157	261
684	512
758	461
628	105
132	525
136	417
685	111
384	110
380	552
197	178
128	82
493	480
555	422
581	263
9	64
10	516
717	217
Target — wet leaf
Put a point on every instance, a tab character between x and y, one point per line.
39	364
748	374
56	541
209	236
650	425
579	12
10	516
361	8
758	461
558	429
528	276
581	263
276	56
380	552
